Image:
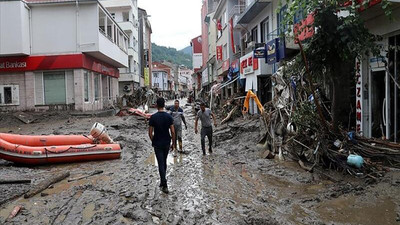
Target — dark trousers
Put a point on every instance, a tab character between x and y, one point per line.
206	131
161	155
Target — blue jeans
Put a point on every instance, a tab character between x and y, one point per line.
161	155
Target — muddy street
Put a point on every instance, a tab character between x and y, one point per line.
234	185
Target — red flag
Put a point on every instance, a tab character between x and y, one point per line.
219	25
232	39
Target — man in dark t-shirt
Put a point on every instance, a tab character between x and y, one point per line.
162	123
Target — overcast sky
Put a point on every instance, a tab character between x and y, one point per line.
174	22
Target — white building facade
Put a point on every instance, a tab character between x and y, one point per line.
59	55
377	88
125	13
160	80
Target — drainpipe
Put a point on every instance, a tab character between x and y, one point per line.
30	28
77	26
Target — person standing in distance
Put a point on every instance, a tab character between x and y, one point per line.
162	123
177	113
204	115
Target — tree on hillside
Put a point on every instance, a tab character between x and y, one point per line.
161	53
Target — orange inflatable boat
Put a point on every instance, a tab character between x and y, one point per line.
36	150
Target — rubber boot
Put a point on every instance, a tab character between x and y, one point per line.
180	146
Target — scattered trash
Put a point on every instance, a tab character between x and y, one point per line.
24	117
15	212
15	181
355	160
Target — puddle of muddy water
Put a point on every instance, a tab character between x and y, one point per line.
152	160
89	211
350	210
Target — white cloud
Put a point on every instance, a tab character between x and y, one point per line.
174	22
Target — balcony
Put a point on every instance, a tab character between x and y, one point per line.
127	26
112	43
235	13
252	10
128	77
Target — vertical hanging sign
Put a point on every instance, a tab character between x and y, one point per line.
219	53
232	38
358	98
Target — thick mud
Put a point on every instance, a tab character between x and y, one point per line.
234	185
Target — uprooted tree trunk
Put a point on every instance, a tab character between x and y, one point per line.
343	93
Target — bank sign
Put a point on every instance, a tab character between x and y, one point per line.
56	62
11	65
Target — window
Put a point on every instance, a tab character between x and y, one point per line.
224	19
254	34
54	87
265	31
109	87
129	65
281	16
298	16
86	86
224	52
9	94
96	87
125	16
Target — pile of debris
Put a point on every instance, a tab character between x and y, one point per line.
296	128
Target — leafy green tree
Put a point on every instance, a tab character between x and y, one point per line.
161	53
340	37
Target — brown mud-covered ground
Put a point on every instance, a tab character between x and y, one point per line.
234	185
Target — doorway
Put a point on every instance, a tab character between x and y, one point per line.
378	104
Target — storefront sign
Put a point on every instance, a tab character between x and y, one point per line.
275	51
304	29
259	53
272	53
204	76
56	62
219	53
248	65
358	98
225	65
146	77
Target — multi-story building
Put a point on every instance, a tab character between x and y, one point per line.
185	80
197	64
160	79
377	88
227	53
145	48
125	12
168	69
59	54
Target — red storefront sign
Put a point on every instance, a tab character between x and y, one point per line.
225	65
219	53
304	29
56	62
249	62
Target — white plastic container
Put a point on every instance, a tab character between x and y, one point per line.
99	132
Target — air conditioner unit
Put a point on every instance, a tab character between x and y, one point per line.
251	44
247	37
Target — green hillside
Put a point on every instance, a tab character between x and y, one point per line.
161	53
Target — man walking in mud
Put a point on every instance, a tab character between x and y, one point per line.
177	113
162	123
204	115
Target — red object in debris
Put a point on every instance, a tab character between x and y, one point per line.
15	211
139	113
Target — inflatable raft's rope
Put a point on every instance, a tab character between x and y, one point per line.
60	152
